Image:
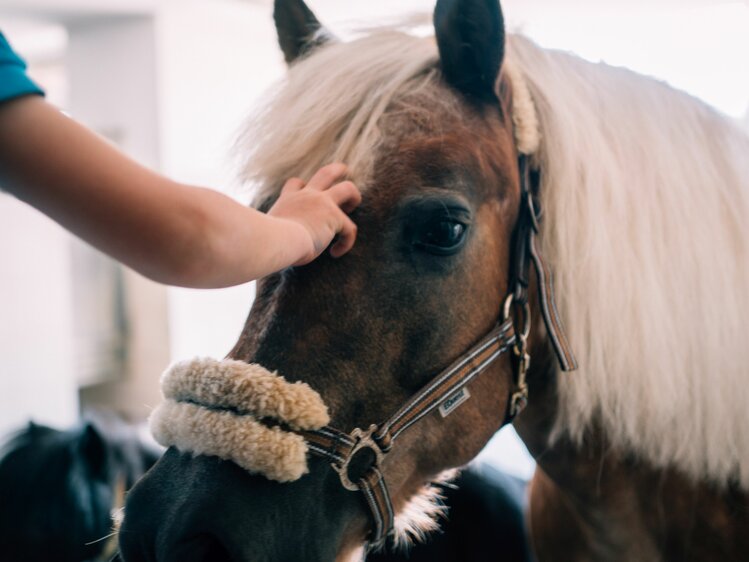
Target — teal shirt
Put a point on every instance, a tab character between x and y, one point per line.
13	79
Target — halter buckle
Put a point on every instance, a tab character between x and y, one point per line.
518	402
362	440
519	398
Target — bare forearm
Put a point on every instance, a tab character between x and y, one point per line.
70	174
244	244
169	232
173	233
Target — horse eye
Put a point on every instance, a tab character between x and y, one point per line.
442	237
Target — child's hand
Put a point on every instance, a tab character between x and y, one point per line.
316	212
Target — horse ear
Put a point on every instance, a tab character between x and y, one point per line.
471	40
298	29
94	450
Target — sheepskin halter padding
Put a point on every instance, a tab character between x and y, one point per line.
217	408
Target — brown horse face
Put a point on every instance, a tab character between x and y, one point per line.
424	282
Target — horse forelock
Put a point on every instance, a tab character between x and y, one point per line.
330	107
645	192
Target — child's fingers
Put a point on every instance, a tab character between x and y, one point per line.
292	185
327	176
346	238
346	195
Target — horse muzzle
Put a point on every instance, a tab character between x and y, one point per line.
204	509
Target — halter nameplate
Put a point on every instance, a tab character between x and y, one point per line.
452	403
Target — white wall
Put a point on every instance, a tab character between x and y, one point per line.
36	336
698	47
207	88
113	69
75	11
37	378
102	70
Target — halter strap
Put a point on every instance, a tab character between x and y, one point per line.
364	474
526	251
378	499
554	327
447	383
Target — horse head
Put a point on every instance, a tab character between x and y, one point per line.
428	133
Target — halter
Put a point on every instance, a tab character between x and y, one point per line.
357	456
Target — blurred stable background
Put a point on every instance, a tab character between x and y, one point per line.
169	82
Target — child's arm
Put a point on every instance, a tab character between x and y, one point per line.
170	232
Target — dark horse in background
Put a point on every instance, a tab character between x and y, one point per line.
59	490
643	452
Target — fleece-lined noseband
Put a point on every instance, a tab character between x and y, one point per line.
222	408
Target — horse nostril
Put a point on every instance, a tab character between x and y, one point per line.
213	551
139	546
204	547
199	548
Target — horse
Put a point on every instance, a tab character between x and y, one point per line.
60	490
477	152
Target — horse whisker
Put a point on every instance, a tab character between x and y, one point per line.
105	537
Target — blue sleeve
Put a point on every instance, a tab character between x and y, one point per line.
13	79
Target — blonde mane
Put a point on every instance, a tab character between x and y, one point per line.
646	197
646	194
329	108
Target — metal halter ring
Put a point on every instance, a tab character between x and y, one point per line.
522	334
363	440
519	397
